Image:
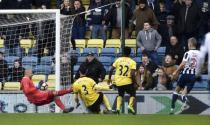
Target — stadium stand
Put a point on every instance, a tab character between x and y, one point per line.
88	50
42	69
26	44
29	61
113	43
110	52
10	60
46	60
12	86
95	43
81	44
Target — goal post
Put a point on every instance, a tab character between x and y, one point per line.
48	31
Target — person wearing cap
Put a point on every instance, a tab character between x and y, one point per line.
93	68
167	30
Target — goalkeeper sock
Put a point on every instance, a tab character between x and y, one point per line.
119	102
131	101
62	92
174	98
59	103
106	102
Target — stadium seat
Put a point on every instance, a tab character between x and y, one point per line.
81	60
37	78
76	68
88	50
1	43
139	52
29	61
12	86
10	60
106	61
51	81
110	52
130	43
27	44
81	44
113	43
42	69
46	60
96	43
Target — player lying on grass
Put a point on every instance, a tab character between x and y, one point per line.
86	88
38	97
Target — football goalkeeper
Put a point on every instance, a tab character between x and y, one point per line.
38	97
86	88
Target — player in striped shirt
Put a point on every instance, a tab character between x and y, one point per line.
187	68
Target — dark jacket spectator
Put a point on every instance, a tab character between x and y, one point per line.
16	73
16	4
43	4
67	7
94	69
189	22
143	14
114	18
167	30
79	28
154	5
3	68
175	50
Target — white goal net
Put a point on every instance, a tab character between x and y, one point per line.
37	40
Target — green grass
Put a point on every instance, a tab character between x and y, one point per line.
88	119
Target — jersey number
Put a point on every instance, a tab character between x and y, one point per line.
85	89
125	73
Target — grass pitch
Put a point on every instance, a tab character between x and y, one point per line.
90	119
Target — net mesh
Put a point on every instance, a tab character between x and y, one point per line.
27	41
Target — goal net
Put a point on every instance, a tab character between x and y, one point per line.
37	40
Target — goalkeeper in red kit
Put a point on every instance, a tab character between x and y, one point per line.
38	97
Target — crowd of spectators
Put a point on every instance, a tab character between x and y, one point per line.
153	23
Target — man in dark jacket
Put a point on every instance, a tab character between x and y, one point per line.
189	21
17	72
94	69
114	18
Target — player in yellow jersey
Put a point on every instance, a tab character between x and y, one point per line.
124	79
86	88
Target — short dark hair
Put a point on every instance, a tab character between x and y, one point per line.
127	51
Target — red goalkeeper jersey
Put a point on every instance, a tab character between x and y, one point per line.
33	95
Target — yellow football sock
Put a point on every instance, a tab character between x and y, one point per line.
106	102
119	102
131	102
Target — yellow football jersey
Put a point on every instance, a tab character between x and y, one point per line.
123	66
85	88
